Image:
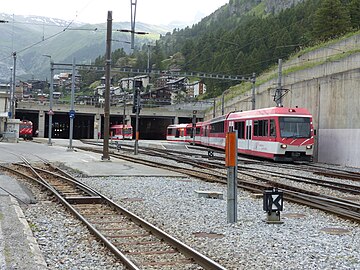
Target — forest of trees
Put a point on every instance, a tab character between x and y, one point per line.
240	45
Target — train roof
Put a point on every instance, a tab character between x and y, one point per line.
273	111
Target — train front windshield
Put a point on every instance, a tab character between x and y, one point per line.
295	127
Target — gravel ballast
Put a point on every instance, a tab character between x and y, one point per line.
299	243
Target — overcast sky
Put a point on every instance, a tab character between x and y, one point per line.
95	11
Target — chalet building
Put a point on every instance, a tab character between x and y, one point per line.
157	97
127	83
65	80
103	80
195	89
175	84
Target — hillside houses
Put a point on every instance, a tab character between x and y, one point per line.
165	90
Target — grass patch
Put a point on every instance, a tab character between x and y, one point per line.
324	44
33	227
259	10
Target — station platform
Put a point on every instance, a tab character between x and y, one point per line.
18	248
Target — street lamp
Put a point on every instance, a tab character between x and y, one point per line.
50	113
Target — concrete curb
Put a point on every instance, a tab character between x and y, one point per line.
34	247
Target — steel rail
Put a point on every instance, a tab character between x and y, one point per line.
255	187
113	249
197	257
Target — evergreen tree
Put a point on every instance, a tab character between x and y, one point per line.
354	12
331	20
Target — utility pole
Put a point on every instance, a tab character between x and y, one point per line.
148	60
223	103
124	115
253	92
214	107
105	155
72	111
137	87
13	89
278	93
133	16
51	112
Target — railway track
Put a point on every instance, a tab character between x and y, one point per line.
137	243
218	163
338	206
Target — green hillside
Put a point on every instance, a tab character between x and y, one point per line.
247	36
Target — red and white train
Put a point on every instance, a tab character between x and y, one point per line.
26	130
119	132
277	133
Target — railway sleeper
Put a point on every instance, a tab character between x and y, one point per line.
84	200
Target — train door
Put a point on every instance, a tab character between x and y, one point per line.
248	133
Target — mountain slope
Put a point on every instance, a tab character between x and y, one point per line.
32	37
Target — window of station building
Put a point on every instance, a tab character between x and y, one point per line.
240	127
217	127
261	127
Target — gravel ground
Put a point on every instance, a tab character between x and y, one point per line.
251	243
64	241
301	242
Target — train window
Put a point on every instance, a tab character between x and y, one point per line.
256	128
177	133
171	131
189	132
272	128
217	127
240	127
265	128
197	131
261	127
295	127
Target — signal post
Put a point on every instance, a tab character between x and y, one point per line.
231	164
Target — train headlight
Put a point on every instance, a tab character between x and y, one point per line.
309	147
283	146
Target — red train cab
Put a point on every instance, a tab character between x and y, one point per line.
119	132
177	132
